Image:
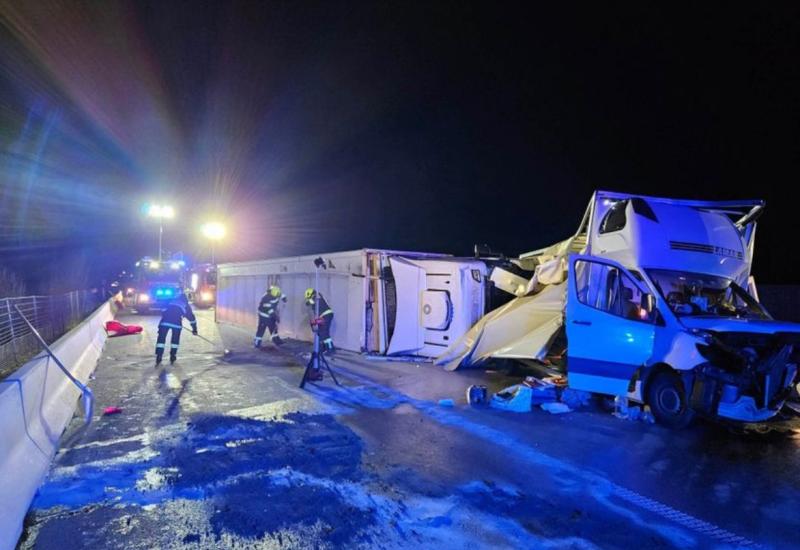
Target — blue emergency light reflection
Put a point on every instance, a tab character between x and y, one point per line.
164	292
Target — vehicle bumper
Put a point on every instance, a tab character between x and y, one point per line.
745	409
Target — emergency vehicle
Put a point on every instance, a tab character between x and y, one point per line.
203	285
156	283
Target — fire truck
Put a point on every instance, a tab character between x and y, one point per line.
155	283
203	285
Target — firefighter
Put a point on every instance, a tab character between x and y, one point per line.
268	315
323	322
172	320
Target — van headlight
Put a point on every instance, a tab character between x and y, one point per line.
144	298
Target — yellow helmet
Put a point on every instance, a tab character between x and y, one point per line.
309	293
275	290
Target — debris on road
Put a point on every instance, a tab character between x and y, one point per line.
477	395
111	410
115	328
542	391
447	403
555	408
515	398
575	399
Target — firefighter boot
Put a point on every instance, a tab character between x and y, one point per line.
277	340
172	358
158	360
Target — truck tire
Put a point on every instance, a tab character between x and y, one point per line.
668	401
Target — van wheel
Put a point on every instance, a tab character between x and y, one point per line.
668	402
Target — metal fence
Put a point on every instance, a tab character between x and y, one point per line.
52	316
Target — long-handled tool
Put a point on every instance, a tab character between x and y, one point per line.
226	352
86	394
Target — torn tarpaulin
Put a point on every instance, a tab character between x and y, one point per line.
522	329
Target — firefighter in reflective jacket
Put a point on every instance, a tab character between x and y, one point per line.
172	320
324	320
268	315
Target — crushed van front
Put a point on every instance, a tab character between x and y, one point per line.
750	367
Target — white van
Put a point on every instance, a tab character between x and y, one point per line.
658	305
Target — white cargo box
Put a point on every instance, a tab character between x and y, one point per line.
384	301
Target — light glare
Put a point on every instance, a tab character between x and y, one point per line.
161	211
213	230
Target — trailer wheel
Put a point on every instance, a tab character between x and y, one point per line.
668	402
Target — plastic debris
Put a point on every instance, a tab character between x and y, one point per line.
621	406
111	410
477	394
447	403
115	328
575	399
516	398
543	391
555	408
559	381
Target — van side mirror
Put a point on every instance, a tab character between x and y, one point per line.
648	303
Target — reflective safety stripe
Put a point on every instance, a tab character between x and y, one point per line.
159	346
174	346
309	302
328	340
170	325
264	314
257	338
327	311
273	336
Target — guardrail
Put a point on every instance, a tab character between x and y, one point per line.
52	316
36	404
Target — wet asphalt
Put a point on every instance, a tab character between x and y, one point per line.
227	452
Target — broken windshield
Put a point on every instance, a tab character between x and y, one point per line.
693	294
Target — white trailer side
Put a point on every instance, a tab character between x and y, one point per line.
384	300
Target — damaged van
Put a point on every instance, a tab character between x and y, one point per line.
655	302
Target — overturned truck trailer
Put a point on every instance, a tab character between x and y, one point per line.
652	298
385	301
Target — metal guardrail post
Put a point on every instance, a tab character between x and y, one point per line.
86	393
13	335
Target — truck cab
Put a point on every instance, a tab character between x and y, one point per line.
661	308
203	285
156	283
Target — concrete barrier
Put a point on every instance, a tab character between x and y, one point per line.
36	404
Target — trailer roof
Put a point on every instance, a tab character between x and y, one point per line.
311	257
745	203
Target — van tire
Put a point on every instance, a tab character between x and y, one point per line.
668	401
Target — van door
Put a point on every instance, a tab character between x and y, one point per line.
409	334
609	333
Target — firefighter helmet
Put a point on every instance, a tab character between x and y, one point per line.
309	293
275	290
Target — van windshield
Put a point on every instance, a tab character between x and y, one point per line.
694	294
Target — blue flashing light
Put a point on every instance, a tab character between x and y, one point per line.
160	292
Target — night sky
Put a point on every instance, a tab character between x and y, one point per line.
319	127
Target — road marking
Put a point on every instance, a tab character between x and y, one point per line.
594	480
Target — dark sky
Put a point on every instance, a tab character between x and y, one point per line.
317	127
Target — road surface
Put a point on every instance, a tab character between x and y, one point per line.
219	452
